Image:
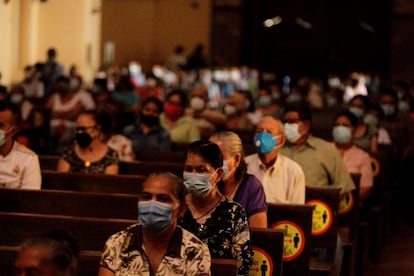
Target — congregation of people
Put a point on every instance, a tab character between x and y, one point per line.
249	141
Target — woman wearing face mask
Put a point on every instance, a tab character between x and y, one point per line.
365	135
156	245
215	219
182	128
89	153
356	160
147	133
237	184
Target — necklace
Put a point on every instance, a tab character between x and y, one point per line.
209	210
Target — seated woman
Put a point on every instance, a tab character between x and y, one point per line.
215	219
182	128
356	160
237	184
365	135
89	153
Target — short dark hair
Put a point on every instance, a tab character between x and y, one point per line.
303	109
209	151
15	110
363	98
348	114
180	93
155	101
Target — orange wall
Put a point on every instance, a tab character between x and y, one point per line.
148	30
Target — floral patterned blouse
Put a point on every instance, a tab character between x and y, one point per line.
186	254
78	165
226	233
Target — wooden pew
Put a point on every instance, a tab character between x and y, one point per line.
70	203
127	184
147	167
165	156
324	226
89	263
267	245
293	219
91	233
158	162
349	228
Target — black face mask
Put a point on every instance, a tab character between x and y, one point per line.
83	139
149	120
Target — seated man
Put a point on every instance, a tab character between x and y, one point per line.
282	178
19	166
156	245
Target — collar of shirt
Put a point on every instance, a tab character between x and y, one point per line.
174	246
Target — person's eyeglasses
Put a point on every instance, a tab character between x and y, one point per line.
83	128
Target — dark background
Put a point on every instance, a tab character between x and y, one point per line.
345	36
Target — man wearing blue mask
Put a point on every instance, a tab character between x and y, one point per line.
19	166
283	179
157	245
320	161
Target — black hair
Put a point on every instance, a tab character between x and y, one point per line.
348	114
363	98
103	119
15	110
155	101
209	151
303	109
180	93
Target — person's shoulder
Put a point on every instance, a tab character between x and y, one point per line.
20	148
321	143
251	157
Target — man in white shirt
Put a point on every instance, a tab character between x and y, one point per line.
283	179
19	166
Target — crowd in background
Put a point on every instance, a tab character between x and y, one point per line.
212	99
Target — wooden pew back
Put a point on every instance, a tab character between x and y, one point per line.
296	222
91	233
70	203
171	161
127	184
267	245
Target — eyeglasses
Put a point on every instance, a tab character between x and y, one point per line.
83	128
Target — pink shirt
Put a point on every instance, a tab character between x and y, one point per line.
358	161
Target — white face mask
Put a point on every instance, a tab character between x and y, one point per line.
230	109
292	132
197	103
3	138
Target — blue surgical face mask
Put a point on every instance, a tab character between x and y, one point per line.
292	132
226	169
198	184
154	216
265	142
388	109
358	112
342	134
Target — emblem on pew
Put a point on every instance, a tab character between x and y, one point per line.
294	239
321	217
262	263
346	203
